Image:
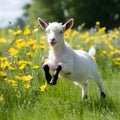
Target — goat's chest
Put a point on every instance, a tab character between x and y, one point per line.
54	61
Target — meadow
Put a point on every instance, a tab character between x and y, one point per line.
24	93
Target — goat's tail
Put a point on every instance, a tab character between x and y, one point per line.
92	52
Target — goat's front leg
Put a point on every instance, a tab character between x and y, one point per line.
55	76
47	74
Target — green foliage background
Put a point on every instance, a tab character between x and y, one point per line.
83	11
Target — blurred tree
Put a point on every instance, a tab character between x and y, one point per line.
48	10
83	11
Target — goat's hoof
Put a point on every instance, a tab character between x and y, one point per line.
52	82
85	97
103	95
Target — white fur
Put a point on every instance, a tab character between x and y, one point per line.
77	65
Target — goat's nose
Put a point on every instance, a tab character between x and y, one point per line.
52	39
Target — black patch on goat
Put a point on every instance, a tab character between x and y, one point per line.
55	76
47	74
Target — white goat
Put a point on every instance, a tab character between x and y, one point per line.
74	65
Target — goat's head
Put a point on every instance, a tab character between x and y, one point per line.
55	31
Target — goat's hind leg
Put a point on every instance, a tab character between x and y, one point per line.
99	81
47	74
84	87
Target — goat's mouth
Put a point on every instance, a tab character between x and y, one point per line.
52	43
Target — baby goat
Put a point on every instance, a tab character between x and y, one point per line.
71	64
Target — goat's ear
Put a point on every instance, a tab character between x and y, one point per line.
68	24
42	23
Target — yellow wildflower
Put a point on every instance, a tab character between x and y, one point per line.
29	53
27	86
5	64
21	45
27	31
36	67
15	32
104	52
24	62
18	77
32	41
14	85
2	40
22	66
1	98
3	74
42	47
3	58
27	78
35	47
18	41
42	88
12	82
13	51
35	30
43	38
101	30
117	63
97	23
74	33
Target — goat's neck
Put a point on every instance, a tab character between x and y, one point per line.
59	49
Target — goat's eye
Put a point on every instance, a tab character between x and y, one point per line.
61	31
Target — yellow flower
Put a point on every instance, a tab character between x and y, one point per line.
35	47
97	23
27	86
74	33
27	78
10	67
2	40
42	88
12	82
13	51
43	38
3	74
117	63
27	31
21	62
36	67
18	41
18	77
29	53
22	66
104	52
32	41
43	47
35	30
3	59
14	85
20	45
101	30
5	64
1	98
15	32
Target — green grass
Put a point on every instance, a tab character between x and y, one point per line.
62	101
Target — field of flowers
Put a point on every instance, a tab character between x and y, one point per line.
24	93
